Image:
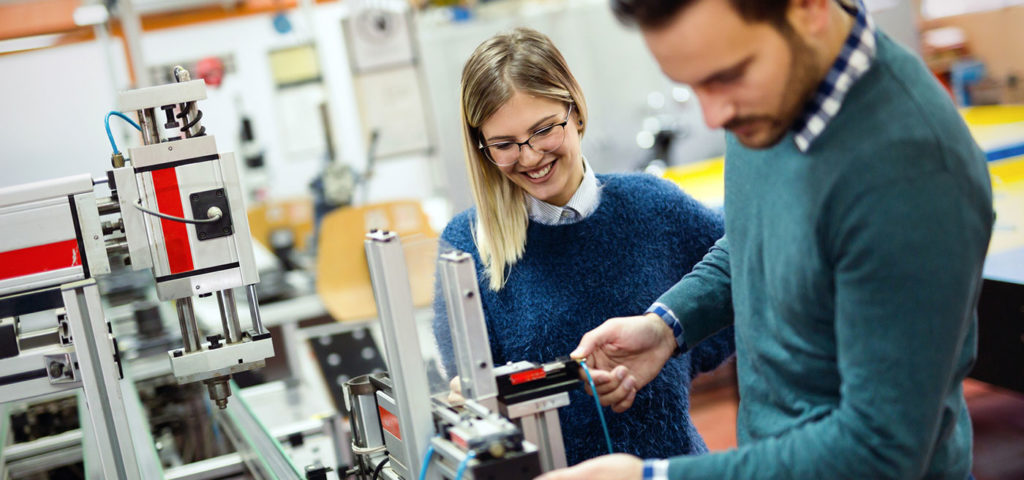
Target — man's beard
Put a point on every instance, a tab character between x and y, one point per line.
801	84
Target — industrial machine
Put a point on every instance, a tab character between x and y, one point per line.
508	427
174	207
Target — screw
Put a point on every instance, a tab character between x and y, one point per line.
197	287
202	236
56	370
483	364
226	230
469	294
220	193
169	148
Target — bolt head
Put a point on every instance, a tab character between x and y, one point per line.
56	370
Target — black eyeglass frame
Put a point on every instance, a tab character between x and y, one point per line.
484	148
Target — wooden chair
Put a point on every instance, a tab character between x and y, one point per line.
343	276
295	214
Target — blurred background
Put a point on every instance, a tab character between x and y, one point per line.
343	116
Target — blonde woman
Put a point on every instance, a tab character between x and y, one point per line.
559	248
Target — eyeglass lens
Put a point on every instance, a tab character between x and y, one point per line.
543	141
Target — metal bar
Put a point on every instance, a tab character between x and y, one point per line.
61	441
24	376
190	335
393	295
538	418
209	469
132	25
100	380
229	316
107	206
259	450
150	127
468	328
254	308
551	431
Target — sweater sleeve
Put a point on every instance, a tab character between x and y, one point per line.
701	229
908	258
702	300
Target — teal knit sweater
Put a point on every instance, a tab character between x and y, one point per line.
644	236
851	274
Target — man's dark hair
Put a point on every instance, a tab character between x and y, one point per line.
657	13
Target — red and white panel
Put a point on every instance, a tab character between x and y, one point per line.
40	246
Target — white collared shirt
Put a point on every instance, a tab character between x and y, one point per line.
580	206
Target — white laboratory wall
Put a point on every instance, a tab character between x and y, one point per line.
54	101
610	62
251	89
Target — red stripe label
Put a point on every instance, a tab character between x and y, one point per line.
168	199
39	259
458	440
389	421
527	376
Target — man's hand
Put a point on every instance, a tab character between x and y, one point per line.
624	354
609	467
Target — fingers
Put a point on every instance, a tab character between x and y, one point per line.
580	471
627	402
620	394
455	393
607	382
455	398
608	467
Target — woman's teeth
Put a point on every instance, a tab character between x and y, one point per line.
539	173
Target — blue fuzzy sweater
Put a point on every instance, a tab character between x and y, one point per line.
644	236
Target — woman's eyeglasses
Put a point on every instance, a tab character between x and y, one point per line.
545	140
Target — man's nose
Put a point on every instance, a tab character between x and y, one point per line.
718	109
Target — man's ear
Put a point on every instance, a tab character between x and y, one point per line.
809	18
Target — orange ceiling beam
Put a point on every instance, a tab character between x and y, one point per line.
39	17
36	17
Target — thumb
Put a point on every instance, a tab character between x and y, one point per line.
588	344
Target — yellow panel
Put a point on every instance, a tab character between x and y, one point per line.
1008	196
704	181
294	65
992	127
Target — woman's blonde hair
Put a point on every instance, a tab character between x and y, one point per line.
522	60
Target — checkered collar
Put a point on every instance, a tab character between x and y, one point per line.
853	61
580	206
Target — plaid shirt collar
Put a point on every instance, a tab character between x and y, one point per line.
580	206
853	61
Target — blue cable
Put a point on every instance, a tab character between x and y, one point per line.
462	465
600	411
110	136
426	462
